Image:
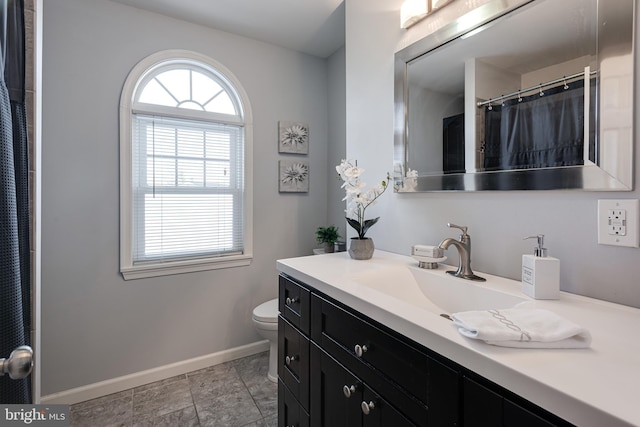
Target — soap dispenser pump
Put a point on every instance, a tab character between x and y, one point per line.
540	273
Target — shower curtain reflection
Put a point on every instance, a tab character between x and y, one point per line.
15	282
542	130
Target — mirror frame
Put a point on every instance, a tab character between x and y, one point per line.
584	177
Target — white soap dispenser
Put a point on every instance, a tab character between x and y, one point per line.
540	273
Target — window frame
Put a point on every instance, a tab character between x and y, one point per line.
128	106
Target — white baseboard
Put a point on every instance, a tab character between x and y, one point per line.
115	385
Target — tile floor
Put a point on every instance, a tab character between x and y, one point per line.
236	393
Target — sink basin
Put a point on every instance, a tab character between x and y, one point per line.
435	291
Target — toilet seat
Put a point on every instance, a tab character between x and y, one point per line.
267	312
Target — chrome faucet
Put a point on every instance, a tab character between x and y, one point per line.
464	252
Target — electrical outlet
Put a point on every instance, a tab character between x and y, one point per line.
618	222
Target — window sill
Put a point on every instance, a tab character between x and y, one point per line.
179	267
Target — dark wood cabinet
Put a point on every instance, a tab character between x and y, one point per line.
352	340
293	303
517	416
482	407
336	394
290	413
339	398
485	404
293	361
444	394
342	368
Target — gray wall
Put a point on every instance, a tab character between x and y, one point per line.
497	220
96	326
337	139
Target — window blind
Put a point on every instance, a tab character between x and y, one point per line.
187	189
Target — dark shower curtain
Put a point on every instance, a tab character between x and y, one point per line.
538	131
15	282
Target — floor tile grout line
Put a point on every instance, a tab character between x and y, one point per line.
253	399
131	414
249	391
251	394
152	388
193	400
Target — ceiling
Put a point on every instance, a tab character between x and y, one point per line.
315	27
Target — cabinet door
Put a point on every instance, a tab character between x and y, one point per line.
339	398
378	413
486	407
444	394
335	393
293	361
290	413
482	407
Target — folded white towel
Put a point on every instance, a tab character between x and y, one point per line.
522	327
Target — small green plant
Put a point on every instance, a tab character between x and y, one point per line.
328	236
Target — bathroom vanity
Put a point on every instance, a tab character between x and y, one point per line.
358	345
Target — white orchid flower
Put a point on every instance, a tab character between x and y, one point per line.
358	198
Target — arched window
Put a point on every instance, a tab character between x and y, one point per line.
185	153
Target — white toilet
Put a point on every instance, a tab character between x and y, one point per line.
265	319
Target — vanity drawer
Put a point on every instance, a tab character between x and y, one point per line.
293	303
293	361
354	341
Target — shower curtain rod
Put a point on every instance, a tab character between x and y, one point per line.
540	86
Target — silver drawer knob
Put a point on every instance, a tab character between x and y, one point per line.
347	390
367	407
360	350
290	300
290	359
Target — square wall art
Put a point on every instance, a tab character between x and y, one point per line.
293	137
294	176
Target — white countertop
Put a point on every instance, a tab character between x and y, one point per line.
587	387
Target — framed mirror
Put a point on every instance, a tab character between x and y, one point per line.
536	95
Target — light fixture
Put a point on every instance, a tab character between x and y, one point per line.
438	3
413	11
